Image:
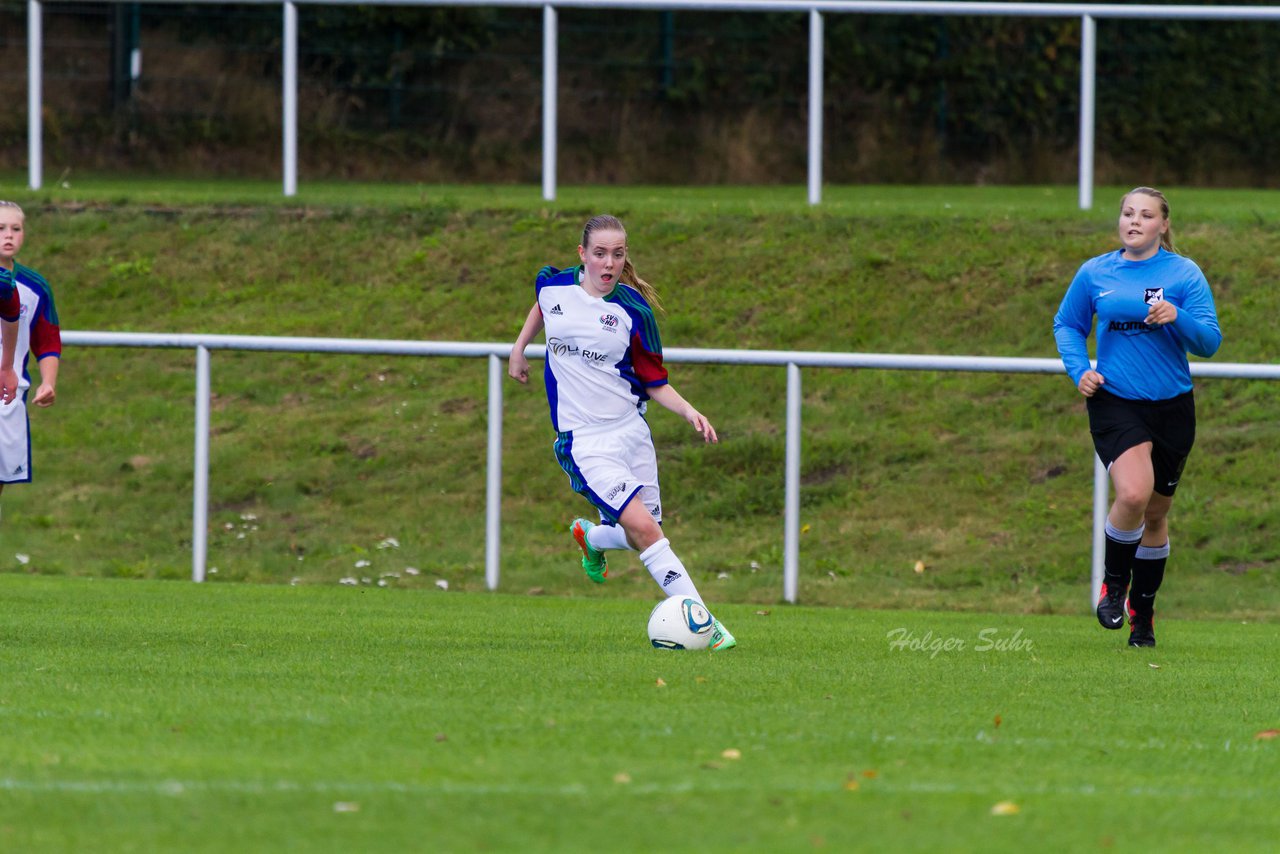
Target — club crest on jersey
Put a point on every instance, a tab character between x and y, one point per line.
609	321
1151	296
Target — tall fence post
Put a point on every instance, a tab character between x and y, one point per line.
791	512
549	85
35	86
290	95
493	478
815	106
1088	90
200	489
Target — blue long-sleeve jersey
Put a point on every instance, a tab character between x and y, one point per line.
1137	361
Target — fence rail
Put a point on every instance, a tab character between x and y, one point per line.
1087	13
495	353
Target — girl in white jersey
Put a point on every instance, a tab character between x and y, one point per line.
604	363
1152	307
37	333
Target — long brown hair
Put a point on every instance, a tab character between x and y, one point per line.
605	222
1166	239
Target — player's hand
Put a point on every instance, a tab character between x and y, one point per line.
1090	382
8	385
1162	313
702	425
518	367
45	395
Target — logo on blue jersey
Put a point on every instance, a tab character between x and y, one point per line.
1151	296
1131	327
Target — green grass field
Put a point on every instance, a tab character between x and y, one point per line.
153	716
942	685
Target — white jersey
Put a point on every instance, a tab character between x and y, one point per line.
603	354
38	336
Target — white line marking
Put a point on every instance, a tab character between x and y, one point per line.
179	788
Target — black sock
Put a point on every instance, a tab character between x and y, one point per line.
1148	573
1117	557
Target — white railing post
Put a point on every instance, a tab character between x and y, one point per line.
815	106
1088	90
549	84
493	478
200	489
1101	493
791	511
290	95
35	85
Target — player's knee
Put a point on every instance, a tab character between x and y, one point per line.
644	533
1156	516
1134	497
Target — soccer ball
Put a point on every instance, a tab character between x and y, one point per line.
680	622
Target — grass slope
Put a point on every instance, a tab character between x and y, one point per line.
144	716
317	461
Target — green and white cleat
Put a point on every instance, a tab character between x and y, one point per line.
720	637
593	560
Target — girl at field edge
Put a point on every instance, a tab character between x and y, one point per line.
1153	306
37	332
604	363
10	309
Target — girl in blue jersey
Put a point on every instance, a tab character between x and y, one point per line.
604	363
1153	307
36	332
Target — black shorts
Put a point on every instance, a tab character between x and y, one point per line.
1118	424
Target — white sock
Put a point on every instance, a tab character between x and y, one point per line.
603	537
668	571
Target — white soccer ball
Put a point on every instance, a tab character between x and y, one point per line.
680	622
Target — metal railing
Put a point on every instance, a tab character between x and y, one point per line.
792	360
1086	12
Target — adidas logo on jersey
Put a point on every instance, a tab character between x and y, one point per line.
672	575
555	309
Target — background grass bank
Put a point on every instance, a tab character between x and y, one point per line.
329	467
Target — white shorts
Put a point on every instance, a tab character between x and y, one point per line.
15	442
610	464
